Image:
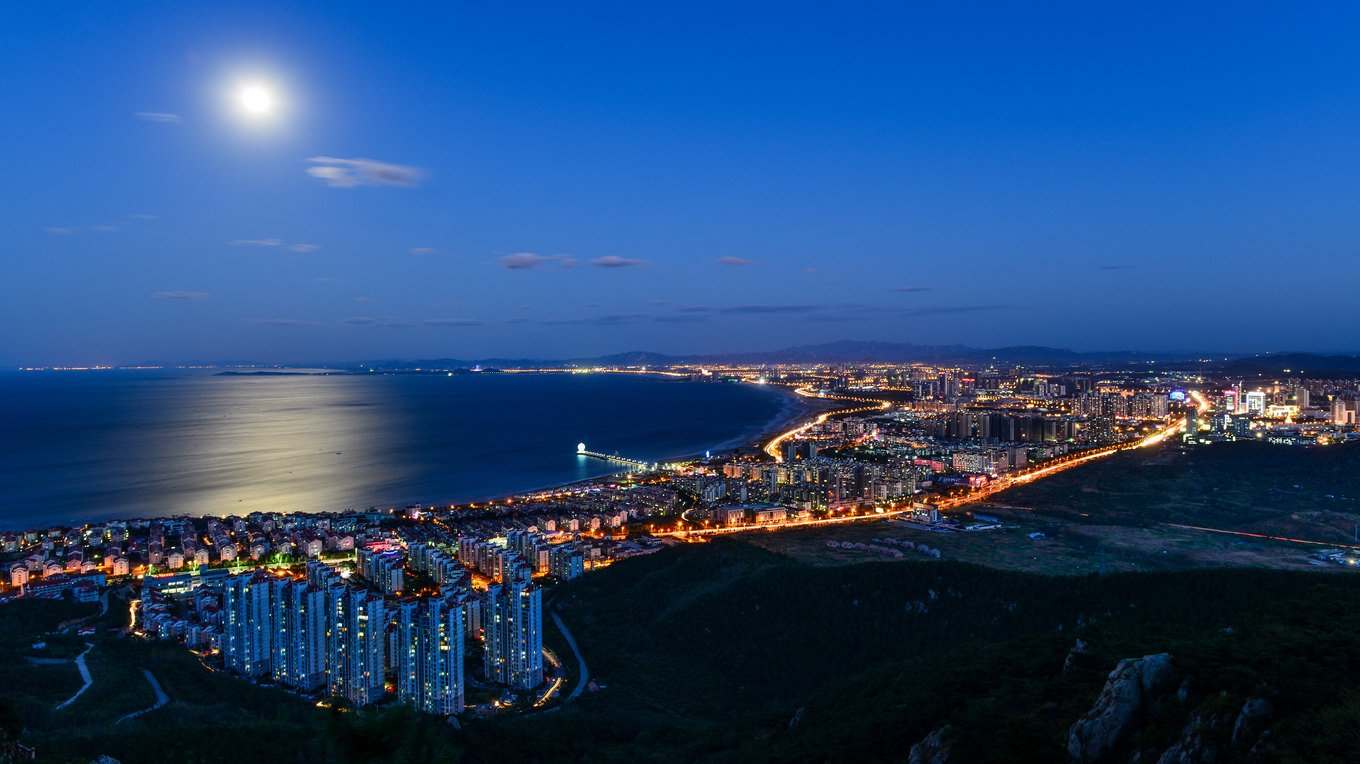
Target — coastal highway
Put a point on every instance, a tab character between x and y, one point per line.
1051	468
772	448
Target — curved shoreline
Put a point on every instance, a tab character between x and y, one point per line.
775	415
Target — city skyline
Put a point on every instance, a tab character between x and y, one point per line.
274	184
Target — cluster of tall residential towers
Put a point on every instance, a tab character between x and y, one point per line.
325	632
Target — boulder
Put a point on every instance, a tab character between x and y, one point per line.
1253	715
1127	693
934	748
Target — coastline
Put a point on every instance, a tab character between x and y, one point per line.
789	410
796	410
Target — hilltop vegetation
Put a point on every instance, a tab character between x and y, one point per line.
1298	492
729	652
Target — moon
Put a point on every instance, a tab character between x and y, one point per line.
256	100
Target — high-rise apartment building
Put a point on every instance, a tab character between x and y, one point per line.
299	625
247	635
430	666
512	620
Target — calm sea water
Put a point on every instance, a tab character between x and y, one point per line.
82	446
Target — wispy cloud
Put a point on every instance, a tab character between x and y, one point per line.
516	321
422	250
734	261
143	216
613	261
337	172
952	309
1115	267
526	306
523	261
60	231
256	243
178	295
913	289
770	309
304	247
681	319
390	322
364	299
812	270
280	322
104	228
451	322
612	319
162	117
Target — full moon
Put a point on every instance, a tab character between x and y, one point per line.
255	99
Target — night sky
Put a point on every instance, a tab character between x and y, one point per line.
568	179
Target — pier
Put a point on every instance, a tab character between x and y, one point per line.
581	451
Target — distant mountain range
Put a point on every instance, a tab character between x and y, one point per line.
845	351
857	352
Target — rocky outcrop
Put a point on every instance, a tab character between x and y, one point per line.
934	748
1122	703
1205	739
1194	746
1079	648
1252	717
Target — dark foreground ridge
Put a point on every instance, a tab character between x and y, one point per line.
728	652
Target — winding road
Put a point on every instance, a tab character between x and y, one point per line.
161	698
84	674
571	642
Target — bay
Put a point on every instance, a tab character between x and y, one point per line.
83	446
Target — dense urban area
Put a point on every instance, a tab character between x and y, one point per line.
442	608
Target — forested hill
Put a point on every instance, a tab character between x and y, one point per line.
729	642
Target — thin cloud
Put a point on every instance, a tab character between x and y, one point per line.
526	307
178	295
256	243
812	270
451	322
350	173
613	261
377	321
523	261
516	321
422	250
952	309
280	322
60	231
143	216
734	261
104	228
304	247
770	308
681	319
364	299
613	319
1115	267
914	289
164	118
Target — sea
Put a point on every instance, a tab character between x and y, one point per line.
87	446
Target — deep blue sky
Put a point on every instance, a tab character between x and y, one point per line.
681	178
